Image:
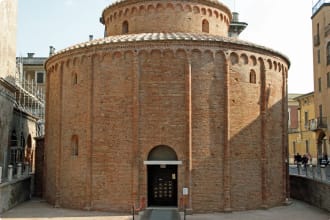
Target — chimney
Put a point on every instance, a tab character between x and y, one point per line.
235	17
30	55
91	37
236	27
51	50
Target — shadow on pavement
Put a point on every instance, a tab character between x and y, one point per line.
40	209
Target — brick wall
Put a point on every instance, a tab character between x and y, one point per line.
164	16
313	192
129	99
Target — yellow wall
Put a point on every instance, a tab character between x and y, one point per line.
303	134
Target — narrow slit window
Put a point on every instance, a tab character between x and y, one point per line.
74	79
74	145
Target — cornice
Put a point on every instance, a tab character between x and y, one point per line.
145	40
212	3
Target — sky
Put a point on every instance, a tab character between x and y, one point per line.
282	25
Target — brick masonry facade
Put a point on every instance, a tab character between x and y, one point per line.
110	102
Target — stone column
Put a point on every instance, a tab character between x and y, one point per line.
0	174
10	172
19	170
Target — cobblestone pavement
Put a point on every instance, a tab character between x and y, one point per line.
40	210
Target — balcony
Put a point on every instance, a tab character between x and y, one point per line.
316	40
318	123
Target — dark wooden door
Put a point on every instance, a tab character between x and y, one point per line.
162	185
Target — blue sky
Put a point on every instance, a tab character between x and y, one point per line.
283	25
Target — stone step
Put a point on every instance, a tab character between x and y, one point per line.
160	214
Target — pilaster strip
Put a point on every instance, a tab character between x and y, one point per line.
263	109
226	155
135	126
285	161
60	148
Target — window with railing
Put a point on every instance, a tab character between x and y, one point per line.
318	123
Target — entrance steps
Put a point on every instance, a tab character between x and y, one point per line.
160	214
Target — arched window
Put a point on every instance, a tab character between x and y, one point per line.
74	78
205	26
74	145
125	27
253	77
162	152
28	156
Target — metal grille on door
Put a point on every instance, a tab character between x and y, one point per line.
163	189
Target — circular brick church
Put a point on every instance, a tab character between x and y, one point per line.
166	110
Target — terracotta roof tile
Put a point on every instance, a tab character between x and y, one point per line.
147	37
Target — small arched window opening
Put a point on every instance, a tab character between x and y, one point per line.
74	79
205	26
74	145
125	27
253	77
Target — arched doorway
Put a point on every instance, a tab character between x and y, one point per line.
162	176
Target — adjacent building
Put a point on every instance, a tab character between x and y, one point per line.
165	109
321	58
18	118
302	137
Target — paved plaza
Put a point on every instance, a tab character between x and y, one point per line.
36	209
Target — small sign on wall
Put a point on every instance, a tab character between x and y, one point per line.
185	191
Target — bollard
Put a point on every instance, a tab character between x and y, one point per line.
19	170
310	170
323	174
0	174
10	172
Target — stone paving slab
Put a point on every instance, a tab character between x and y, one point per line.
40	210
296	211
161	214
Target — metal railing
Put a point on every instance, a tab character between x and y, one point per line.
311	171
318	123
